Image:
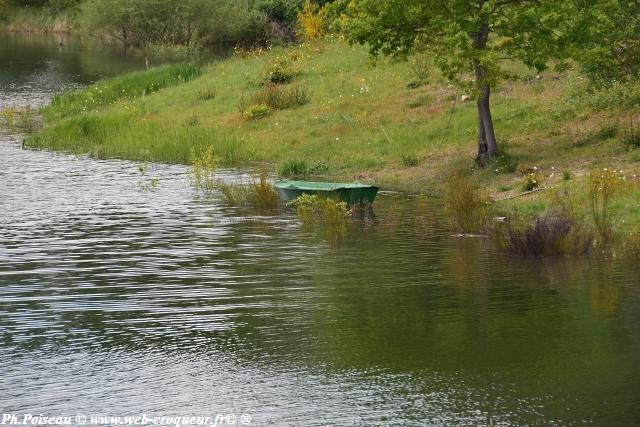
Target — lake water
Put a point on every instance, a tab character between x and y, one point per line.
119	301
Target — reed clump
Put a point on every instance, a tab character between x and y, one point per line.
327	215
258	194
313	209
603	187
468	209
203	172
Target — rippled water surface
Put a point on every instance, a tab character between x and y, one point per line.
120	301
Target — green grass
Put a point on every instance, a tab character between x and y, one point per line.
359	121
128	86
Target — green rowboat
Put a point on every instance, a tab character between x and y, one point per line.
352	193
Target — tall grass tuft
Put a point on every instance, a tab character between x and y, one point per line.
275	97
603	186
131	85
292	168
468	209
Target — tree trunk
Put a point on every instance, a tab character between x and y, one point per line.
487	144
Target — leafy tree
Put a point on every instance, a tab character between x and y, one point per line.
468	37
283	11
611	34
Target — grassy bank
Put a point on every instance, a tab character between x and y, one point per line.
325	109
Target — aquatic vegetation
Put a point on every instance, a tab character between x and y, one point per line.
258	194
145	183
203	172
9	116
467	207
546	236
330	215
19	118
263	195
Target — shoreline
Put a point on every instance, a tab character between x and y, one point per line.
360	122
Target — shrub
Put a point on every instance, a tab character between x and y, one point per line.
409	160
311	21
546	236
467	208
282	69
292	168
255	111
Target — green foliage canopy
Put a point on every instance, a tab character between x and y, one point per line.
470	38
180	22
